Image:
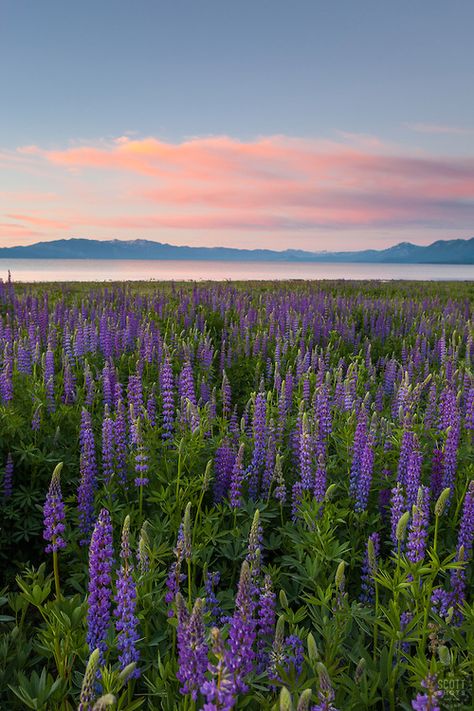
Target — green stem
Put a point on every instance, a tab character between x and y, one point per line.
376	628
189	582
178	479
141	502
56	575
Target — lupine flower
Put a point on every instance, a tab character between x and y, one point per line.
100	593
89	682
211	602
242	631
192	647
236	479
326	694
369	567
219	691
397	508
88	475
266	623
224	461
125	612
167	398
418	528
54	514
430	700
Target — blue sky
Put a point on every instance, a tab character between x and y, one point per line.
388	81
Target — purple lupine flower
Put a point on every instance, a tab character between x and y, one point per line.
54	514
365	473
397	508
8	477
266	623
211	602
226	396
413	475
107	447
293	654
369	567
224	461
236	479
326	693
100	579
219	691
418	527
464	545
167	398
242	631
120	442
279	491
259	437
437	469
305	455
125	611
269	466
49	379
406	448
88	477
357	450
430	700
151	407
192	647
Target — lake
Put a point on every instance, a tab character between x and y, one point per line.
28	270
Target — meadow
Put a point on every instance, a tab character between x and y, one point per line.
236	496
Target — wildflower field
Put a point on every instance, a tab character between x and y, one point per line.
236	496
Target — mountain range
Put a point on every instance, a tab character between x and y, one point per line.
455	251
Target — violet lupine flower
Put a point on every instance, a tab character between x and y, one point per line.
270	454
8	477
167	398
226	396
430	700
365	473
151	407
464	545
54	514
224	461
107	447
88	476
418	527
437	469
406	448
120	443
259	436
293	654
397	508
219	691
358	446
242	631
305	455
279	491
236	479
125	612
413	475
369	568
266	623
211	602
326	693
192	647
49	379
100	579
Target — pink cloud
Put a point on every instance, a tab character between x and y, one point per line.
270	184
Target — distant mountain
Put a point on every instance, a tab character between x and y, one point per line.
455	251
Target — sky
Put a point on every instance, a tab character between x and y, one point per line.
259	123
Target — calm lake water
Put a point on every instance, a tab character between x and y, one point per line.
139	270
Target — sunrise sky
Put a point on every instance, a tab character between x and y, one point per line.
311	124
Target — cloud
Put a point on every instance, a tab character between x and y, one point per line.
267	185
